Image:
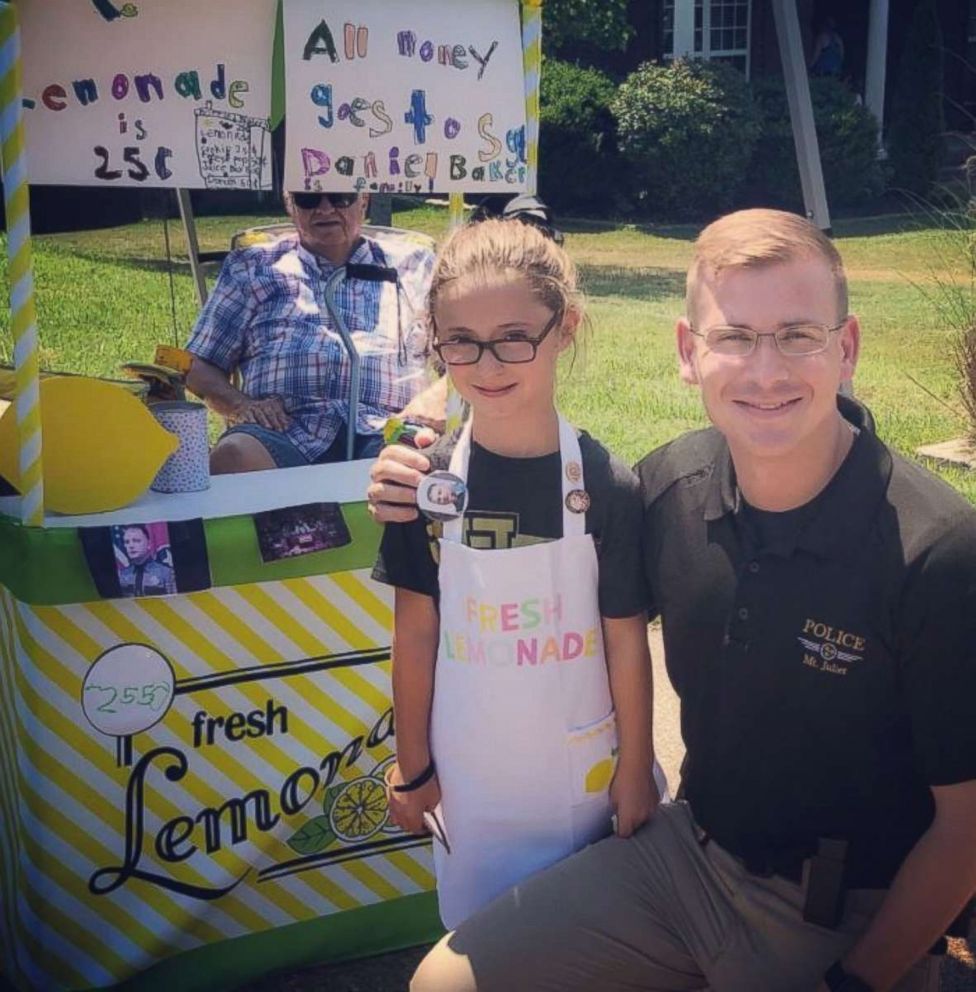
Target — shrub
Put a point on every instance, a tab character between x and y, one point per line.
847	134
577	154
687	132
917	118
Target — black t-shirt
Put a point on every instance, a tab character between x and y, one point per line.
518	501
827	673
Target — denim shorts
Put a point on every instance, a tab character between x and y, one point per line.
286	455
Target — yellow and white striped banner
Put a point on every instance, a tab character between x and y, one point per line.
246	794
532	66
23	316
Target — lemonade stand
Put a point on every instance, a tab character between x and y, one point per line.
191	783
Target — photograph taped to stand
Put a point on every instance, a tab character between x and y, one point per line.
442	496
159	558
300	530
144	560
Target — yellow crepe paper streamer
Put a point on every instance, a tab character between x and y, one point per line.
456	210
532	69
26	440
102	446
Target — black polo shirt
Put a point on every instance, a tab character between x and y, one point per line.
827	667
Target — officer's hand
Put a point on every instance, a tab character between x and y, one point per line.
268	412
634	797
395	475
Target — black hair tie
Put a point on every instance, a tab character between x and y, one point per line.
421	780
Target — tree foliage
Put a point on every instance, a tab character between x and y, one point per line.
577	160
602	23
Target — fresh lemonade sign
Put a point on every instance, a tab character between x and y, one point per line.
131	688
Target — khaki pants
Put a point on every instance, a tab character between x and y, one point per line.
658	911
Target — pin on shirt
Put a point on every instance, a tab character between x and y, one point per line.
578	501
574	471
442	496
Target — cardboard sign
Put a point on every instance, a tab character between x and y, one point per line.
412	98
172	93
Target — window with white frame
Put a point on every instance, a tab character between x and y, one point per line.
711	29
667	28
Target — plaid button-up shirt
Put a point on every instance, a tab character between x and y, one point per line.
267	317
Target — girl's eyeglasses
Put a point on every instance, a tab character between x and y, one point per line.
309	201
509	351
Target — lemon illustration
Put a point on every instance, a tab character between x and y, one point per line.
101	446
359	810
598	778
379	773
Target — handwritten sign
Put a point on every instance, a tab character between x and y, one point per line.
425	97
149	93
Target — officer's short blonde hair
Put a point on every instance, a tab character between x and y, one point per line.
757	239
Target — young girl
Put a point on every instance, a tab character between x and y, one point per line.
520	652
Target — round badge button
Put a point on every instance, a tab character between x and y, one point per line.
442	496
578	501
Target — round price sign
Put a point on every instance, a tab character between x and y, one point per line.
128	689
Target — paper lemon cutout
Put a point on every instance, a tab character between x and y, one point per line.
599	776
101	446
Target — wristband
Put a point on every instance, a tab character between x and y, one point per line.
838	980
422	779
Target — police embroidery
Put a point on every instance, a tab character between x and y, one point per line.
825	648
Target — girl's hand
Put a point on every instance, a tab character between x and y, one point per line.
407	808
634	797
395	475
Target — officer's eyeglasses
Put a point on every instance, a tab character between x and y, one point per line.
514	349
794	341
309	201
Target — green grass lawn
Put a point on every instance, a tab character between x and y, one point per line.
103	297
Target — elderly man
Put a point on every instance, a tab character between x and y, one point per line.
818	599
267	318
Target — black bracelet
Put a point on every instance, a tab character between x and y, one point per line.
838	980
422	779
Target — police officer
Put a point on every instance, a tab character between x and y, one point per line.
818	600
143	576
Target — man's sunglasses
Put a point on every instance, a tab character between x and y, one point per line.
309	201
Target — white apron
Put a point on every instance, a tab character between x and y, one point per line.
522	724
